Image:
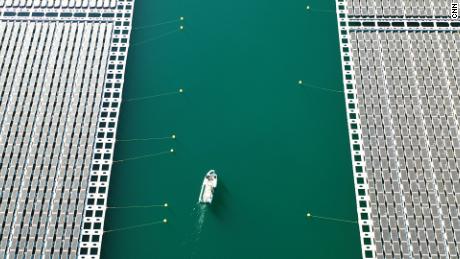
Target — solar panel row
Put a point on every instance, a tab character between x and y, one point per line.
399	8
58	3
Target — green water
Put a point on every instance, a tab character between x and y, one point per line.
280	150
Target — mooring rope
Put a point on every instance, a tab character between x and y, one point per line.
310	216
180	91
144	156
139	206
164	221
146	139
156	24
156	38
302	83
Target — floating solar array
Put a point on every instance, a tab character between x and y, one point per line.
61	76
401	66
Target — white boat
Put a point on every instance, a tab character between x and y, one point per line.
207	189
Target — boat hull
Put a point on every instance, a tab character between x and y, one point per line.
208	187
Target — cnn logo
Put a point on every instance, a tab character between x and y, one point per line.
454	11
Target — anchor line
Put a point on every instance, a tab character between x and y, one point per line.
334	219
142	139
155	38
151	96
320	88
137	206
134	226
142	157
155	25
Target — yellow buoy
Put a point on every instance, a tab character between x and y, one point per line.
181	90
173	136
182	18
308	214
172	150
165	221
300	82
181	27
165	205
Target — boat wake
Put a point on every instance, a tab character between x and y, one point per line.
202	208
200	212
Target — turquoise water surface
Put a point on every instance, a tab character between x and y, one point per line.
281	150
